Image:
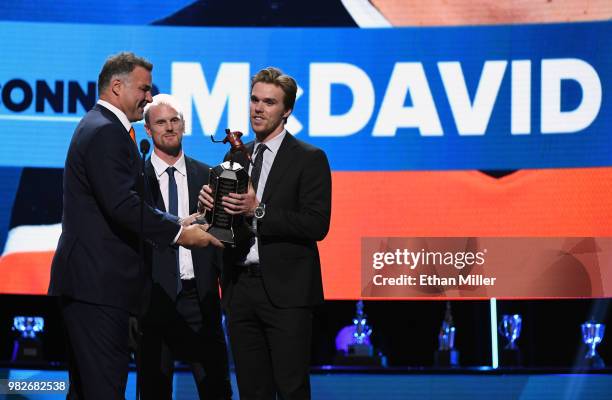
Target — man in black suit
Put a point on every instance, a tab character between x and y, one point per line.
272	279
184	317
97	270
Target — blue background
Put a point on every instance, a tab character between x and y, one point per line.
50	52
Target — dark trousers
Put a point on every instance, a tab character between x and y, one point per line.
271	345
190	332
98	354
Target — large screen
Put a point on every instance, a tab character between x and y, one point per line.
451	129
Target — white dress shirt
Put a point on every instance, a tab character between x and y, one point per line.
180	176
268	159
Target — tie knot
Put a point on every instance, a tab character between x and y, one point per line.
260	149
170	171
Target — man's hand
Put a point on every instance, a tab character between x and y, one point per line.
194	236
186	221
205	200
245	203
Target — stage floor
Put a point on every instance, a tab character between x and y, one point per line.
388	384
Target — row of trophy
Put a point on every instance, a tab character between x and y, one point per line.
510	329
354	347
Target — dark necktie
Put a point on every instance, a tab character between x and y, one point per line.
256	171
173	209
255	174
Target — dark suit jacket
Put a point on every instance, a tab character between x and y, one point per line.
206	261
97	258
298	210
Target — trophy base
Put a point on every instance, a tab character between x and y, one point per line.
27	350
344	359
224	235
360	350
510	358
593	362
446	358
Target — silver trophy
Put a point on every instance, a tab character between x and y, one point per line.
353	343
510	328
27	347
227	177
592	335
447	355
361	336
446	337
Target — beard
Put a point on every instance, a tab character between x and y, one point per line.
173	149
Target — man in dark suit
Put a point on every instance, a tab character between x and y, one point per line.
272	279
97	270
184	316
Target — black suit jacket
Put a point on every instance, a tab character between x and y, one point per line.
298	210
97	258
206	261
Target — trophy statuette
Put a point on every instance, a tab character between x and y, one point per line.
592	335
227	177
510	329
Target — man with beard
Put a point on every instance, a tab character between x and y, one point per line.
183	320
97	269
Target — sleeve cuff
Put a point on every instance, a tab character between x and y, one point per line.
177	235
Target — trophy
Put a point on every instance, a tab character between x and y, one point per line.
227	177
447	355
510	328
592	335
353	343
27	346
361	336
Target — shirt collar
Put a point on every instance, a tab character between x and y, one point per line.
160	165
274	144
120	114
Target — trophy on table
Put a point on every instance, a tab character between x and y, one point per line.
510	328
353	343
361	336
227	177
592	335
447	355
27	347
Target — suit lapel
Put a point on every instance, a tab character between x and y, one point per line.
192	178
282	163
110	115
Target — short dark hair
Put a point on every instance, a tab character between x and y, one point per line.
277	77
119	64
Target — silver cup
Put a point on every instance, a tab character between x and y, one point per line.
510	328
446	337
592	335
